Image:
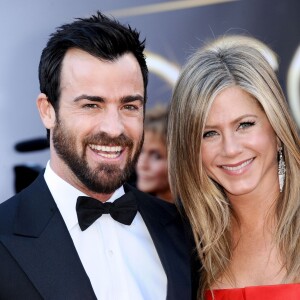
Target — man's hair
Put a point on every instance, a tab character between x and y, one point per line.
98	35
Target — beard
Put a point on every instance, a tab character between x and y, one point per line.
105	178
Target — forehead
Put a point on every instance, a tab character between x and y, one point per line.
234	101
89	74
152	137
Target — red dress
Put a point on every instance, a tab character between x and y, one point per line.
265	292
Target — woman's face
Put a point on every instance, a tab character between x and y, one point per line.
152	168
239	146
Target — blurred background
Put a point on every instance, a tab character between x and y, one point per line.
173	30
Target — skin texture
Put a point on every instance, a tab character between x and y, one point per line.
101	104
152	167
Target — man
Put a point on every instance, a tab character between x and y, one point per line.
54	242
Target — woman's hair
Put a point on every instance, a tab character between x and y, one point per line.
156	121
209	71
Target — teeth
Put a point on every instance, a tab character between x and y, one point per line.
106	149
237	167
109	155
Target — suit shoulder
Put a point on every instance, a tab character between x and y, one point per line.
8	210
151	199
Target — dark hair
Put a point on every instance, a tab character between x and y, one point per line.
98	35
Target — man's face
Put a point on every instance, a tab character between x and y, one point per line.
98	132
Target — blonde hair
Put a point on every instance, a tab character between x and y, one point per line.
209	71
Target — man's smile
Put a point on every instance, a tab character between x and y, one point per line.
107	151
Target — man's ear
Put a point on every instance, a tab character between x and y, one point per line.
46	110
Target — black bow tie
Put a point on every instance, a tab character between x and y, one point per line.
122	210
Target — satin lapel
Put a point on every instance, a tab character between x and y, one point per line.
44	249
170	239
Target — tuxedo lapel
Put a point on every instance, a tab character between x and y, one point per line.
41	241
166	230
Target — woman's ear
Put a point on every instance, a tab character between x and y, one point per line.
279	143
46	110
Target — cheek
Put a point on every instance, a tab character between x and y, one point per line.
160	168
134	128
207	155
77	133
263	143
79	126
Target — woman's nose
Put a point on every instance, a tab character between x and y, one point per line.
230	145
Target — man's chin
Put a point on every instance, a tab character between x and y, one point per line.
105	169
106	182
105	187
106	178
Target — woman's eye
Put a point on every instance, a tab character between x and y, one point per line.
245	125
156	155
208	134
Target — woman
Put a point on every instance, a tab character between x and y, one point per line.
234	159
152	166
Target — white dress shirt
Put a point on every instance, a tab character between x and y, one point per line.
120	260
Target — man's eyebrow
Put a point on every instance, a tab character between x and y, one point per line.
91	98
132	98
123	100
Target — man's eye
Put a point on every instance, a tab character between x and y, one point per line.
131	107
91	105
245	125
208	134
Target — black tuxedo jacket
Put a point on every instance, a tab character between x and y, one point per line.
38	259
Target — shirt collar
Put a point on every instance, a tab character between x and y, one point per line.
65	196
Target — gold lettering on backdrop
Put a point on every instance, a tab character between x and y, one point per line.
164	6
163	68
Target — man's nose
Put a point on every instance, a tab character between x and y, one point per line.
111	122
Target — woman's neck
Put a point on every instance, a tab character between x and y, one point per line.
255	211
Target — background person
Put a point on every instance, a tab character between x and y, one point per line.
234	156
56	242
152	166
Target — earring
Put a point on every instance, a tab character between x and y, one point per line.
281	169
